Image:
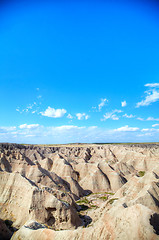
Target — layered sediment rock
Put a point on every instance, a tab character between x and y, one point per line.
85	191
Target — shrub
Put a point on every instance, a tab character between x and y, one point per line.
141	173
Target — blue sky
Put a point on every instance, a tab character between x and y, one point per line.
79	71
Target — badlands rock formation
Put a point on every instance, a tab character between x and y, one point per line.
79	191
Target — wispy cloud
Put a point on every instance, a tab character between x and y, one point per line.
128	116
152	85
35	133
111	115
145	129
152	119
7	129
32	107
53	113
28	108
148	119
68	127
126	129
152	95
150	130
102	103
139	118
123	104
155	125
69	116
81	116
30	126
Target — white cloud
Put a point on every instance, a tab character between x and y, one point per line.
82	116
28	108
74	134
123	104
126	129
111	115
54	113
69	116
148	119
152	85
145	134
128	116
152	130
102	104
92	127
67	127
152	119
155	125
30	126
7	129
141	119
30	135
152	95
145	129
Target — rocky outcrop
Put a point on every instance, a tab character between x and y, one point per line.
136	222
21	200
92	191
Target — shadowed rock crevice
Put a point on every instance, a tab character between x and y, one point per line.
154	221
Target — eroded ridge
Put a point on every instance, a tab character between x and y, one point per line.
79	191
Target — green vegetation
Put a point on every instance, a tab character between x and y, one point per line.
112	200
110	193
85	204
93	206
84	200
141	173
104	198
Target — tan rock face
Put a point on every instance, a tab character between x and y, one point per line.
41	185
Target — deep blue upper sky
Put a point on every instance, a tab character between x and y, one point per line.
79	71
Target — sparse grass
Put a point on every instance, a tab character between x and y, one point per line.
112	200
103	198
141	173
84	200
93	206
110	193
85	204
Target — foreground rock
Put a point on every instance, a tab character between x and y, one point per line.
136	222
85	191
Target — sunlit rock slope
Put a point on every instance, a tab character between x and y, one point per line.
80	191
